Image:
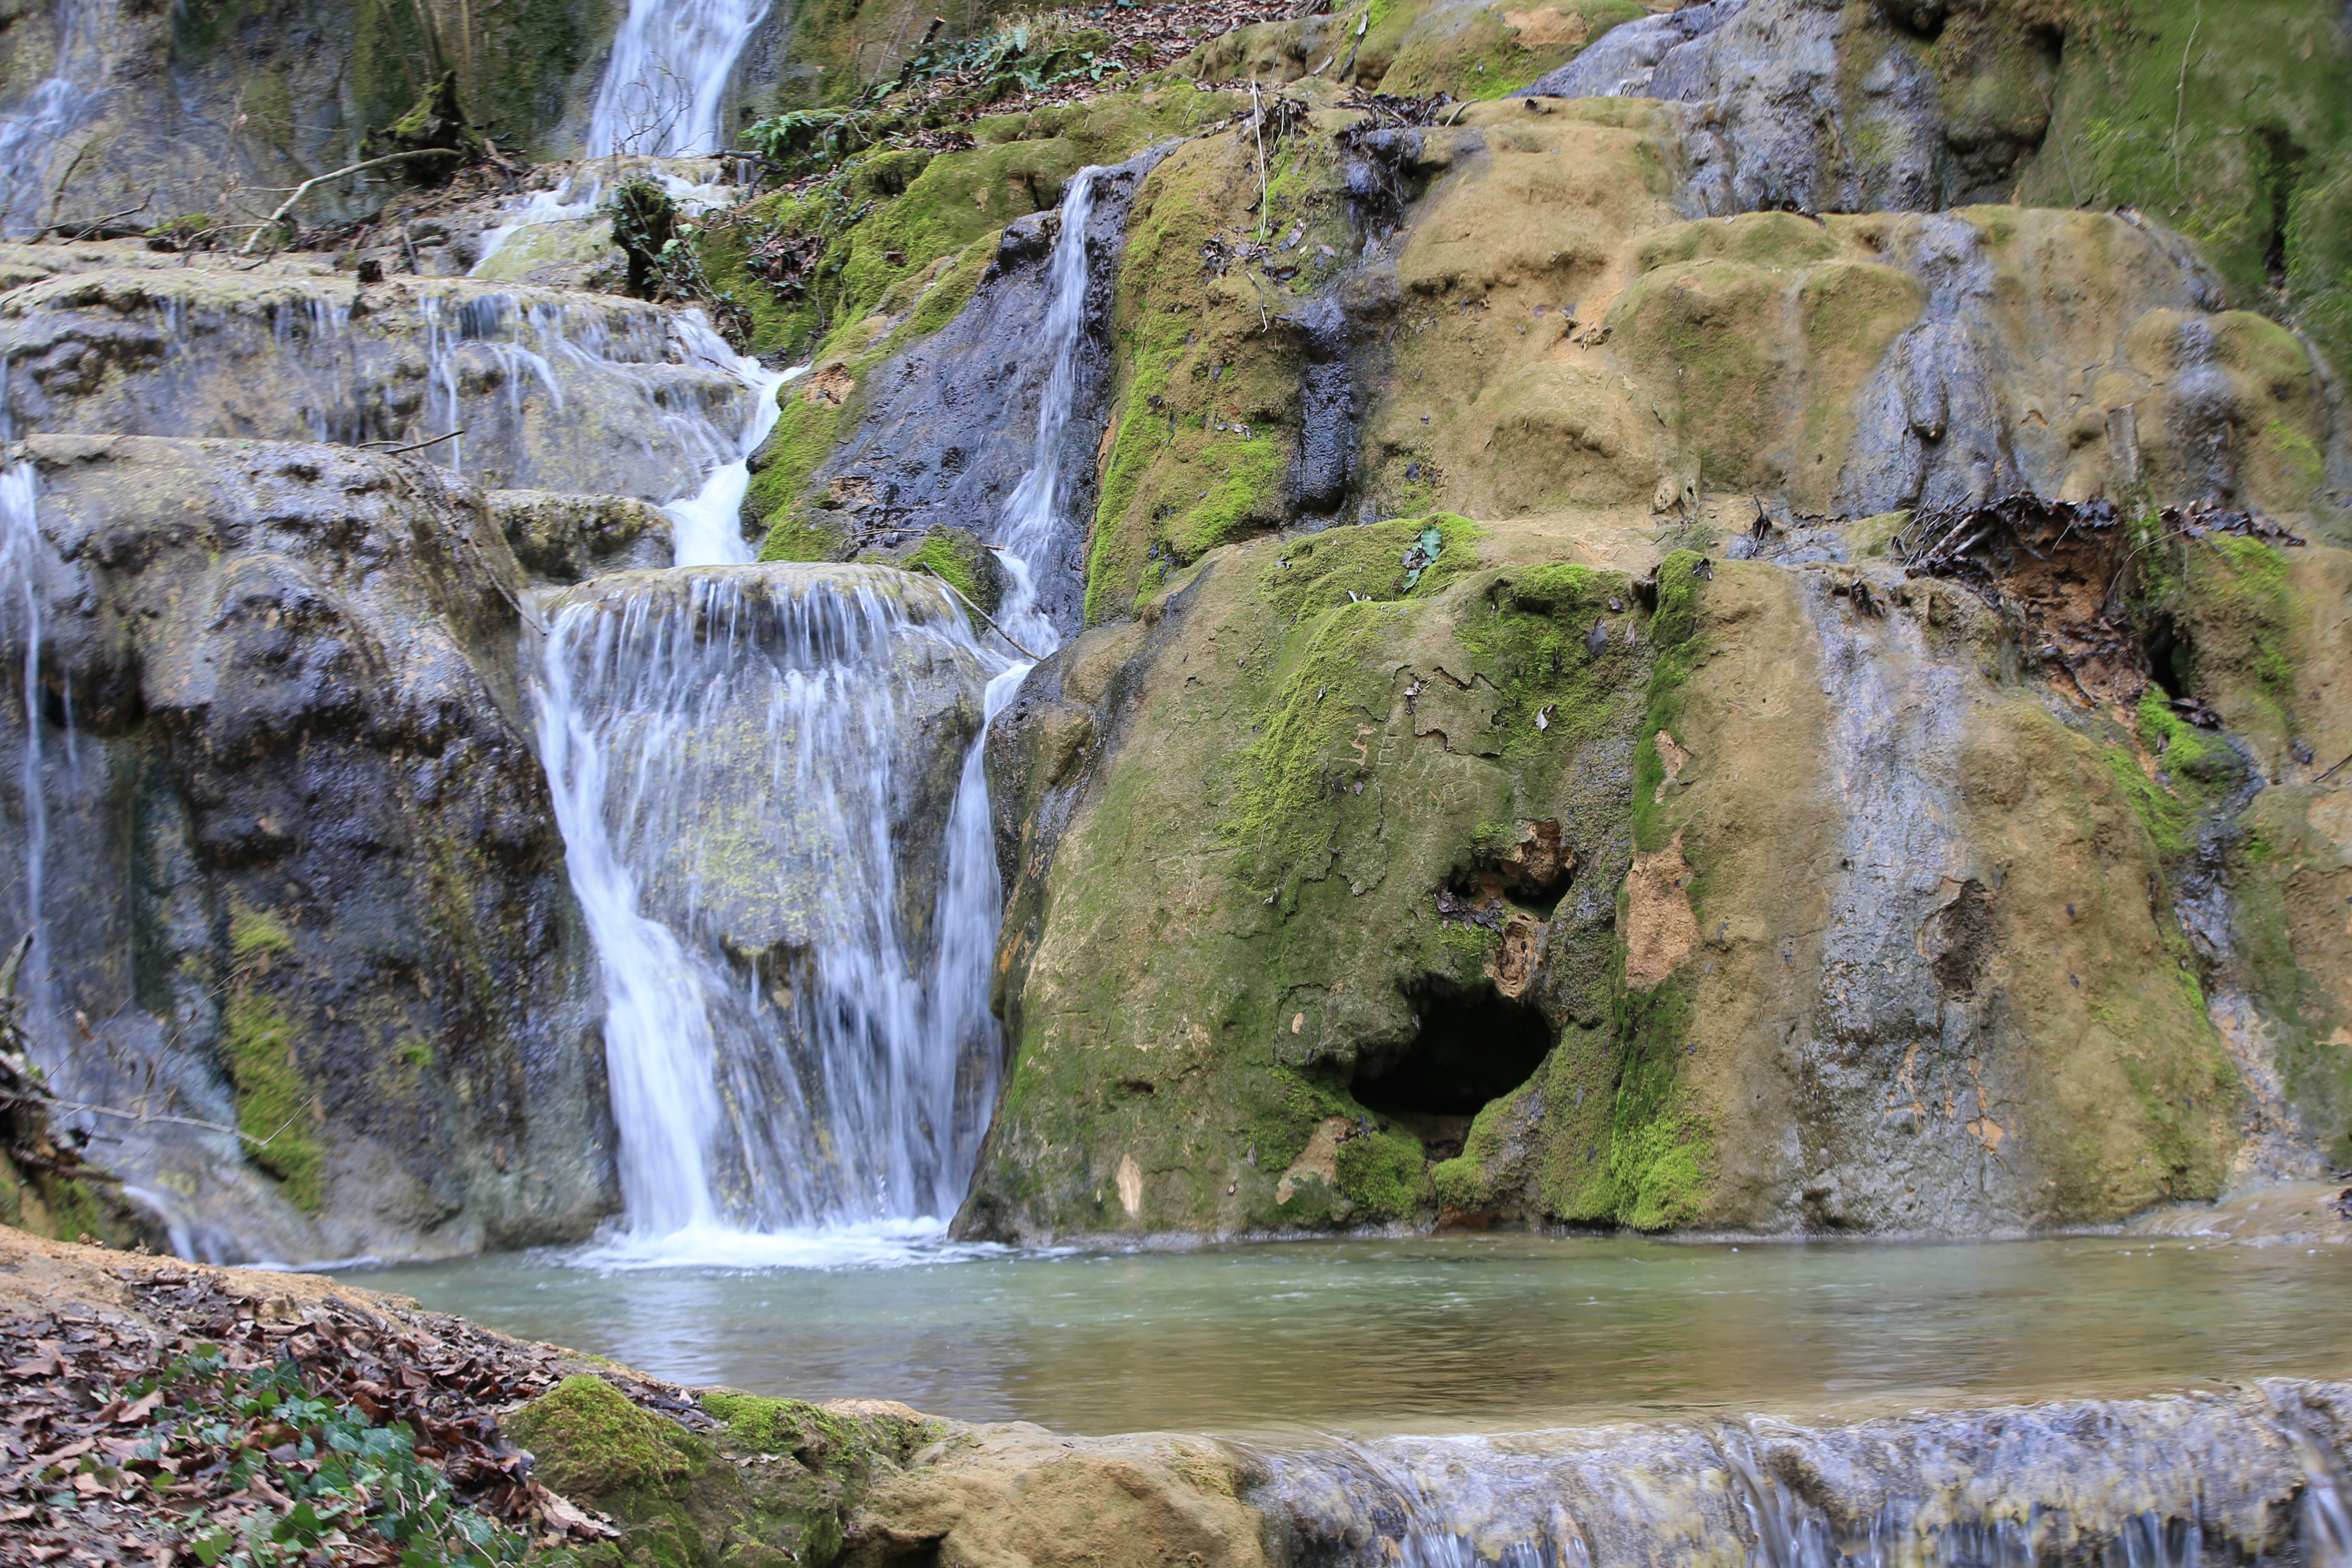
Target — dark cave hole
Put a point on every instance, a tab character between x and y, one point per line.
2282	161
2167	650
1472	1046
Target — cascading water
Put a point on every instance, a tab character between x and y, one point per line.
20	627
515	387
1033	512
745	762
661	93
707	527
2192	1483
60	105
576	199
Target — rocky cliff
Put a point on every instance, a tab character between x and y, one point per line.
1725	617
300	898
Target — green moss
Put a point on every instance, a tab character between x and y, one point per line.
1531	631
1468	948
948	559
1481	54
1247	497
1461	1183
950	290
591	1442
1370	562
780	473
2243	615
255	932
1674	629
2230	123
1708	326
2167	819
1285	774
1383	1174
1207	396
1759	239
275	1109
1657	1146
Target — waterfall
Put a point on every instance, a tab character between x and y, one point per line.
21	547
746	762
1033	512
59	106
707	527
663	91
2162	1483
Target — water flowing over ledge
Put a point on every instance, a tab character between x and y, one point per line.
2178	1481
512	386
755	770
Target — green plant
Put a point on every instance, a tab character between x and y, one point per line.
350	1490
664	265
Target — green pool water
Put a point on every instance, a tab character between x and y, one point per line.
1453	1334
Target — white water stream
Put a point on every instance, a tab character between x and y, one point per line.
1033	512
21	544
738	760
663	92
55	109
747	763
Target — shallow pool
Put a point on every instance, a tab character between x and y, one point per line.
1470	1332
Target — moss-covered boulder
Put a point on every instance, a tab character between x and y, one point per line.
769	1481
1846	925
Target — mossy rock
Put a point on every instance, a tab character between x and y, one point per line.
774	1487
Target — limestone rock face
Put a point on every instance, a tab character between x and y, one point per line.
545	389
943	432
567	538
298	876
1899	895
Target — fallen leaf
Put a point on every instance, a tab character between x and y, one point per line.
565	1517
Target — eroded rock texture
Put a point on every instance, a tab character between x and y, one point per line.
298	874
1900	895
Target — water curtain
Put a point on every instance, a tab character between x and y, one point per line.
1032	515
747	798
662	94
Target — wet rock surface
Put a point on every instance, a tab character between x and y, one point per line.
943	433
512	386
298	886
2249	1476
567	538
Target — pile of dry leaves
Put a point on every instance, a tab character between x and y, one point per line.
208	1416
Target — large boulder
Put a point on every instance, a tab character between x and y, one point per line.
297	896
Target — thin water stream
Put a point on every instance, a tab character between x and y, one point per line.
1497	1332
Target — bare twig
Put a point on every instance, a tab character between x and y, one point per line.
1257	126
84	230
174	1121
416	446
2180	95
925	566
301	190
